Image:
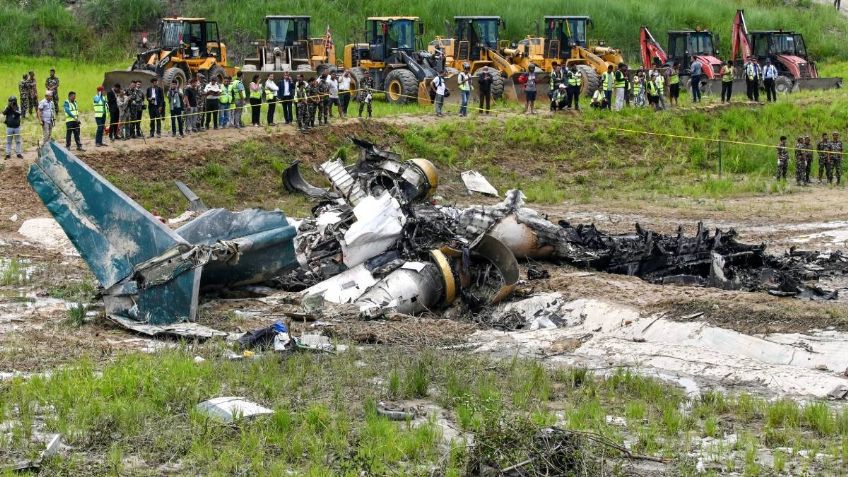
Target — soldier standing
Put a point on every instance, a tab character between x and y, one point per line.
137	104
33	93
52	83
823	148
23	89
835	159
301	99
782	159
808	160
314	100
363	93
800	159
323	99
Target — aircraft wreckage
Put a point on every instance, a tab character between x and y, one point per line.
377	241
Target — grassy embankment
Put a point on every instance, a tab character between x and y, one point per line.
95	29
135	416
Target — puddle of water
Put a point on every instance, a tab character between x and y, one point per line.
688	353
16	271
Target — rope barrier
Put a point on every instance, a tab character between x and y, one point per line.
451	105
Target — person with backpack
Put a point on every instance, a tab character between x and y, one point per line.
12	119
441	89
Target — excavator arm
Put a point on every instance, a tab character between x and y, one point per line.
501	63
650	49
740	44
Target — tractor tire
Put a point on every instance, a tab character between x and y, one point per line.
216	72
783	85
174	74
497	84
591	80
401	87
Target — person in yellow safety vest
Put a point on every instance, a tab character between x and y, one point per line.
639	89
72	121
99	116
575	81
674	85
465	87
619	85
653	91
255	100
607	81
239	95
224	102
726	81
559	100
660	82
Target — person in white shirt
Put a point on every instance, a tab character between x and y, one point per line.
344	93
213	96
440	88
271	89
333	84
769	78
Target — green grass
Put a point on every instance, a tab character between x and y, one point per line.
140	408
93	30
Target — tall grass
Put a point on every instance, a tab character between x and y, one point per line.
101	26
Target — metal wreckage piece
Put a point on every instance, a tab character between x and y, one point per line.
148	272
377	243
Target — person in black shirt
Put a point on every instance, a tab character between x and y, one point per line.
12	115
114	111
155	107
191	99
484	81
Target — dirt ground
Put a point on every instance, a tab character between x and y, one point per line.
35	335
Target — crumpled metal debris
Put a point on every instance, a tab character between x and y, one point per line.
476	182
147	272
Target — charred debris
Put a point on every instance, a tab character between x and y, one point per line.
377	242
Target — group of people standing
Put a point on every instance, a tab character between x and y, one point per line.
305	101
830	155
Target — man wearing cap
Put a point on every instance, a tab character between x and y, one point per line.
464	83
753	74
782	159
800	160
12	118
99	116
46	116
72	121
769	78
484	82
559	101
835	159
52	83
823	148
808	159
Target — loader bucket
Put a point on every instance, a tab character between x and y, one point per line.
807	84
124	77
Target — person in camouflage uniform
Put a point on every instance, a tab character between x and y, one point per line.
363	94
33	92
314	100
301	100
800	160
324	104
137	109
823	148
782	159
52	83
201	101
835	159
23	89
808	160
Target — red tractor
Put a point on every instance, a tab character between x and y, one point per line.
785	49
683	45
